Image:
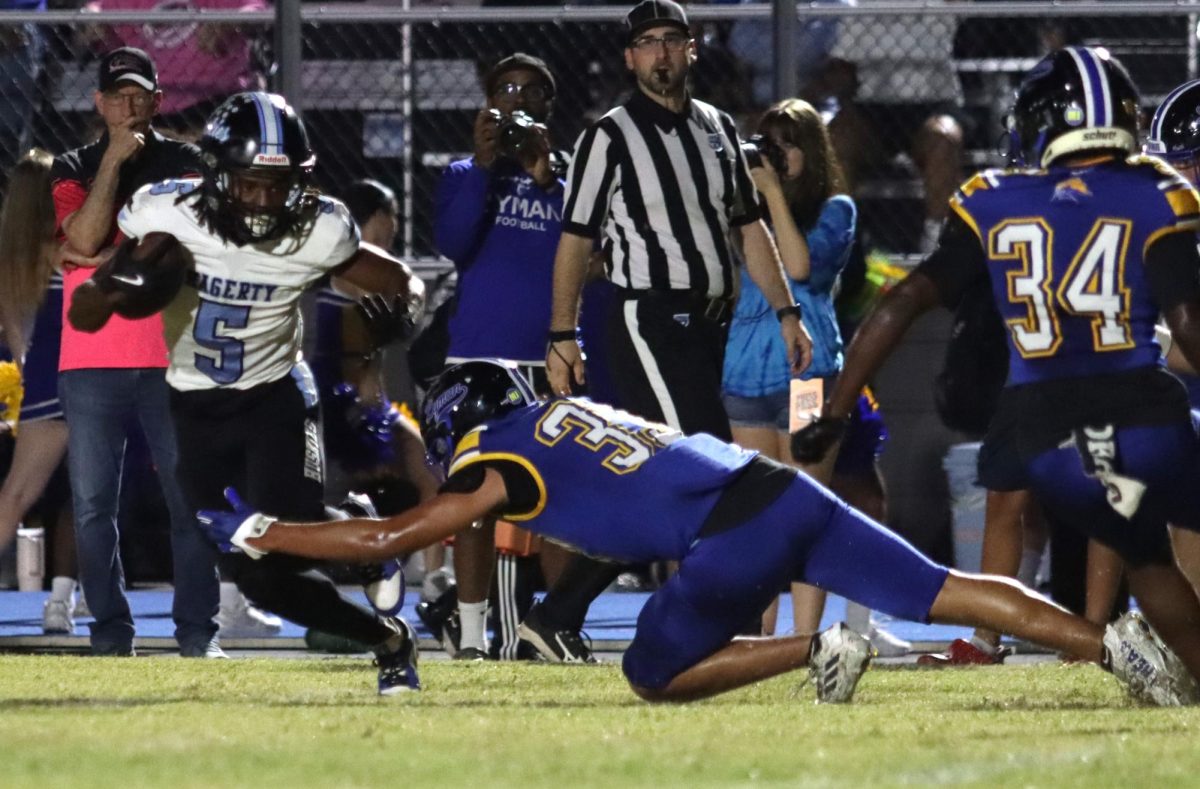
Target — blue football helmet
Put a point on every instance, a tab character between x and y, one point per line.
256	135
463	398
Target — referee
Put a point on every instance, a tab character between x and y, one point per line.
663	178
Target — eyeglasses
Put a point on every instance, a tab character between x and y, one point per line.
534	91
672	41
141	99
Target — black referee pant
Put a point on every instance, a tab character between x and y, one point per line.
666	356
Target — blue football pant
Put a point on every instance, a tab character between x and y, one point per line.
1165	458
728	579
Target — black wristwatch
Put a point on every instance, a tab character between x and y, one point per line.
562	336
791	309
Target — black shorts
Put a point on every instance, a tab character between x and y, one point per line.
264	441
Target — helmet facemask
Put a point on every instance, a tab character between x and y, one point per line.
263	222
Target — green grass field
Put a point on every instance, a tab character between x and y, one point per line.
149	722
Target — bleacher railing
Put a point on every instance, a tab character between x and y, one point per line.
390	92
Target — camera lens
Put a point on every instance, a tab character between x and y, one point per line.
514	133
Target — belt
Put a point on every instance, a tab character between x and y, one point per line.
717	310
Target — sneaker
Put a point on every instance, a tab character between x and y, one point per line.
1148	669
210	650
963	653
436	614
57	618
555	646
887	644
242	620
398	670
838	660
471	655
383	584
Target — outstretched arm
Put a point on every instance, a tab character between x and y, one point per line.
365	539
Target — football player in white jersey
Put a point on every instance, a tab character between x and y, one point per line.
244	403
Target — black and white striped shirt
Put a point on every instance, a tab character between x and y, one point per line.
665	188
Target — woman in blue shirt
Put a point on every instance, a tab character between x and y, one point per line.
814	222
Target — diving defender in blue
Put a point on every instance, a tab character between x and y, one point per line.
740	526
1084	246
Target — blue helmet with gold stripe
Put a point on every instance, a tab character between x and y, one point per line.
1075	99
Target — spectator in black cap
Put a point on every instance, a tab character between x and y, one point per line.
117	376
663	182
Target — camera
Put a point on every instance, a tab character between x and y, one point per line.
513	133
758	148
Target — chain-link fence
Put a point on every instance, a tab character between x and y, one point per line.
915	93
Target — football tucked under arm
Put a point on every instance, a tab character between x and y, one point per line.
139	280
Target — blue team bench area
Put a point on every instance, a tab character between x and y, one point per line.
610	624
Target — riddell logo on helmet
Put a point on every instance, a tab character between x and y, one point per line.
272	158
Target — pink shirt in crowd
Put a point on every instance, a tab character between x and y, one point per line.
121	343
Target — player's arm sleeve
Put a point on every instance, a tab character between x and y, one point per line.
344	235
591	181
460	210
1173	269
957	262
522	489
746	207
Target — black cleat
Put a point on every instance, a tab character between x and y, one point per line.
440	618
555	646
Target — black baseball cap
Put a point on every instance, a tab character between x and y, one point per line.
127	65
516	62
655	13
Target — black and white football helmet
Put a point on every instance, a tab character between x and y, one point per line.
1175	130
256	135
1075	99
464	397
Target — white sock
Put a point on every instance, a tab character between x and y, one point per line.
231	596
63	588
473	617
858	617
984	646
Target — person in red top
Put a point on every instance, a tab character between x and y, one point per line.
117	375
